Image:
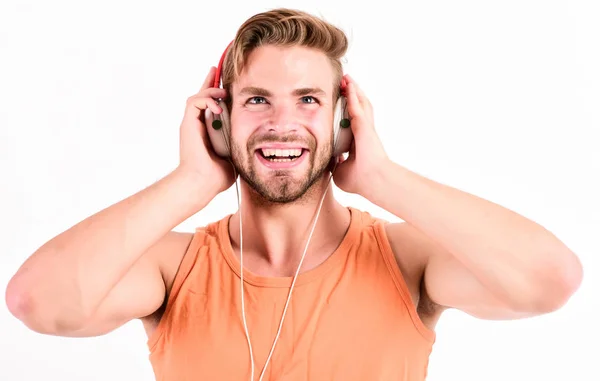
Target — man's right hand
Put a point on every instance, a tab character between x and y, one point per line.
196	154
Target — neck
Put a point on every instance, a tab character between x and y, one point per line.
275	235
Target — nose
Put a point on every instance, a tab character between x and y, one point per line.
282	119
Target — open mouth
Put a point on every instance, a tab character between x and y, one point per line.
281	155
281	158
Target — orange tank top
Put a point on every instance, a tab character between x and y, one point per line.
350	318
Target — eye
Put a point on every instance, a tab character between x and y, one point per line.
309	99
257	100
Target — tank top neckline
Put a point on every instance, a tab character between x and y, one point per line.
304	277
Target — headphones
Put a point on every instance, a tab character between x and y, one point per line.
219	125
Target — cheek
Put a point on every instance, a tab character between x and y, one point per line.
244	119
320	123
244	123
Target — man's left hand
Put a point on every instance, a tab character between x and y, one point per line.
367	158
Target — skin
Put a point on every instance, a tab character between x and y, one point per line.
266	111
455	250
309	119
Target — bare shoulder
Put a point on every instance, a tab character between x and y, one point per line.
166	256
412	250
170	254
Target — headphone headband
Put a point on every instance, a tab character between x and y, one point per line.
217	81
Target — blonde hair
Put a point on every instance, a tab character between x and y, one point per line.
285	27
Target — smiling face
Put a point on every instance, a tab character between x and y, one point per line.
282	121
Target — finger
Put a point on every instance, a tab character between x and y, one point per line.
204	103
212	92
360	94
356	96
355	108
196	105
210	78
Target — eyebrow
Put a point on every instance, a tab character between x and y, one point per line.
259	91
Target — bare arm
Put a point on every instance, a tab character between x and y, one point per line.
476	256
61	287
480	257
110	267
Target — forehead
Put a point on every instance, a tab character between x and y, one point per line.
282	69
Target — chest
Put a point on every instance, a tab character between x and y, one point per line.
347	331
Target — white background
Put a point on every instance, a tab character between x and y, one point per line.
501	99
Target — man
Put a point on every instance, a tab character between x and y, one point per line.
368	294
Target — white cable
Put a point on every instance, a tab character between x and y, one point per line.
291	287
242	280
294	282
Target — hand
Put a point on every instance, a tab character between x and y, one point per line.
367	157
196	154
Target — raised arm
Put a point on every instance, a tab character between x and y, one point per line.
480	257
60	287
110	268
477	256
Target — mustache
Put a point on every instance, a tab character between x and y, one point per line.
279	138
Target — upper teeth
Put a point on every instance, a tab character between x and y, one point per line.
282	152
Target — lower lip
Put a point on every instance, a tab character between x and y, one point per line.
282	164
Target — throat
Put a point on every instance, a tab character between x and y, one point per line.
275	266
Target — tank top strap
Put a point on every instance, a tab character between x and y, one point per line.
389	257
187	264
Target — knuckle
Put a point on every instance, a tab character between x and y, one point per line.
191	100
195	101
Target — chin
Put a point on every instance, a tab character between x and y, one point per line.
280	186
276	179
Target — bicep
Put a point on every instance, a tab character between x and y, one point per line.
139	293
142	290
452	285
447	283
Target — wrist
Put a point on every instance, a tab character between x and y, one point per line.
378	185
194	191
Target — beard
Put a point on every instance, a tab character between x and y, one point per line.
280	187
